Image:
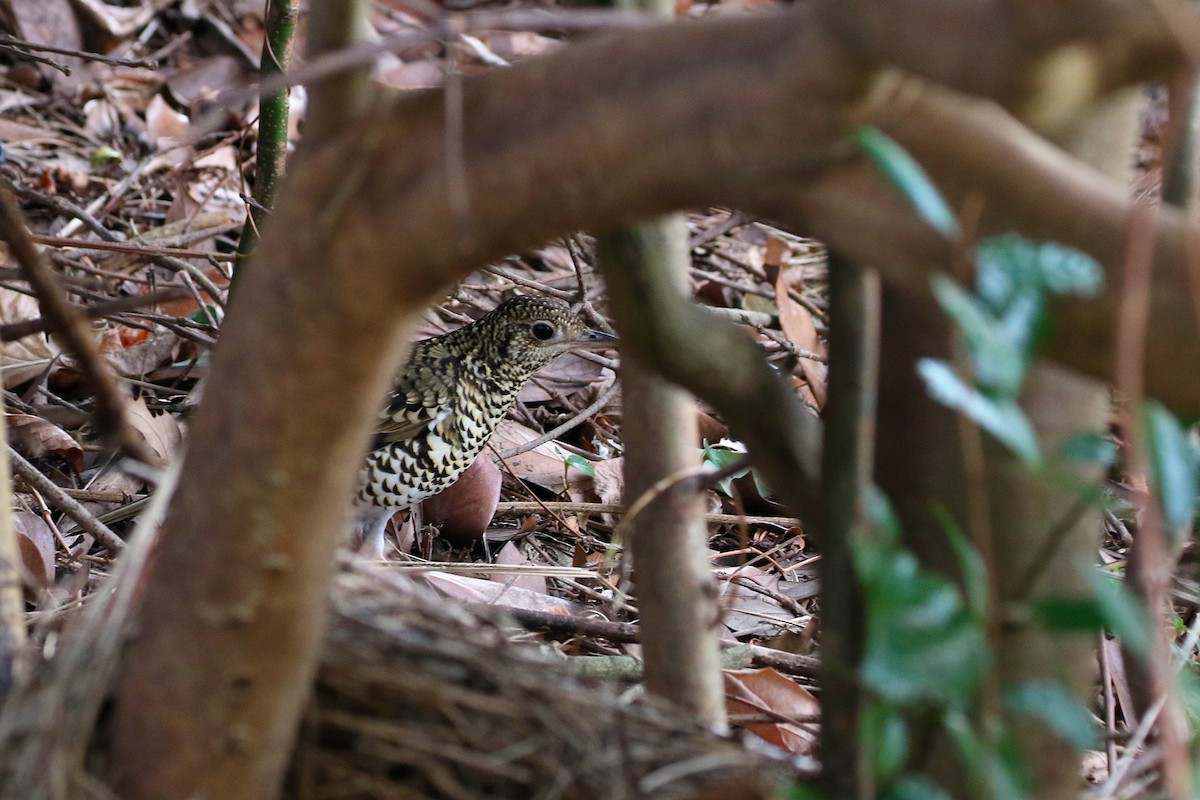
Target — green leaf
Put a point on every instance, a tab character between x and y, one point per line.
879	513
883	736
1053	705
580	463
1089	448
1067	614
206	315
921	642
1000	417
999	363
1172	464
1011	266
1121	612
718	457
970	562
904	173
1067	271
800	791
995	769
914	787
104	155
1007	770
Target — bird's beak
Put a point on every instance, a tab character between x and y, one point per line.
595	340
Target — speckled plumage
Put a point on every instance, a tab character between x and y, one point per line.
454	391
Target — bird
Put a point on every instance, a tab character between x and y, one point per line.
449	397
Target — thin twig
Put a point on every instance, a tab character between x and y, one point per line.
20	46
573	422
27	327
1110	707
83	518
75	331
521	507
148	251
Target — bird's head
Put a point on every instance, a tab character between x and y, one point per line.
529	332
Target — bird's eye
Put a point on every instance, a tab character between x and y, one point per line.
542	331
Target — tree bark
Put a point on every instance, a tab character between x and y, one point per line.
675	586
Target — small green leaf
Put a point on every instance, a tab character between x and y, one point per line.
1121	612
1010	266
883	735
879	512
1056	707
1067	614
206	315
921	642
1089	448
970	562
1067	271
1001	417
1173	465
904	173
718	457
104	155
800	791
580	463
995	769
914	787
998	360
1008	770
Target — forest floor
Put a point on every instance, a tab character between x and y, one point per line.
135	178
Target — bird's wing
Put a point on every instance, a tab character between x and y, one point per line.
423	394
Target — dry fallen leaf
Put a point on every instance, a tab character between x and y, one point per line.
34	437
765	691
477	590
545	465
511	556
30	356
162	432
132	355
609	480
564	377
799	328
746	609
464	510
36	543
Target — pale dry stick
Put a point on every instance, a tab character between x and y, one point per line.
758	554
1110	707
528	283
574	422
1110	786
617	508
537	500
48	517
20	45
579	258
82	517
1151	561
